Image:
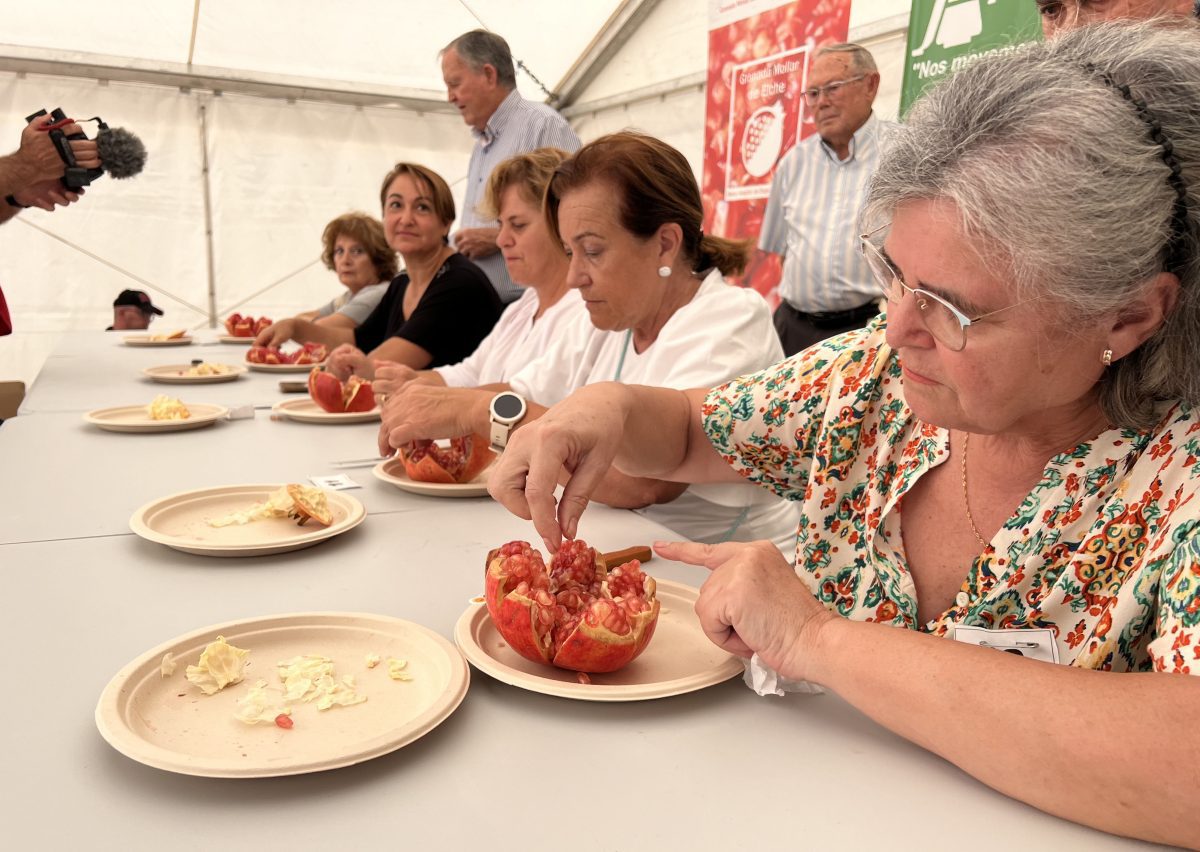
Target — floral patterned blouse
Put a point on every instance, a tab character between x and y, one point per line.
1104	551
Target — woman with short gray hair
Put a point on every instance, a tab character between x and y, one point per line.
1010	458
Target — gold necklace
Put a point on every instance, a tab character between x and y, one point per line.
966	501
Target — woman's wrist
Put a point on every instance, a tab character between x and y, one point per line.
817	654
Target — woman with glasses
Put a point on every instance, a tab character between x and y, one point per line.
999	479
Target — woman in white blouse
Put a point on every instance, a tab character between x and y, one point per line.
535	261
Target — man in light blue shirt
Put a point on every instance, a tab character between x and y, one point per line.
477	68
816	195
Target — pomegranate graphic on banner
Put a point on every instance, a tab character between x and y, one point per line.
758	57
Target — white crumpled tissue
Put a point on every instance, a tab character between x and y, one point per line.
766	681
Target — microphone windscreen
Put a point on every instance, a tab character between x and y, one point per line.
121	153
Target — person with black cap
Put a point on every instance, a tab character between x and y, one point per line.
133	309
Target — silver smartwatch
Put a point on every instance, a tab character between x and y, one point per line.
506	411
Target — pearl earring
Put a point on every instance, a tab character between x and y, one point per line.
664	272
1106	357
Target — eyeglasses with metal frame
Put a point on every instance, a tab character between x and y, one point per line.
811	96
946	323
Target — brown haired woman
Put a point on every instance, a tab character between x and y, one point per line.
356	249
535	260
435	312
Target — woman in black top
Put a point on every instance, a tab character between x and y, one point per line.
435	312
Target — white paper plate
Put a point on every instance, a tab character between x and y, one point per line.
679	658
307	411
282	368
229	338
177	374
392	472
148	340
181	521
169	724
134	418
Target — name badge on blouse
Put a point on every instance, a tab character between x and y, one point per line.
1036	644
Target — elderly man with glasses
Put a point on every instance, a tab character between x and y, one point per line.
816	195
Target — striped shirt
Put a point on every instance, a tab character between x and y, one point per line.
812	220
515	127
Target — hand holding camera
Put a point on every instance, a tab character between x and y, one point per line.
115	150
40	152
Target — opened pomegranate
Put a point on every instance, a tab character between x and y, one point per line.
575	614
240	326
309	353
462	461
332	395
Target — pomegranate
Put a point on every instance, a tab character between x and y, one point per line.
575	614
332	395
310	353
240	326
462	461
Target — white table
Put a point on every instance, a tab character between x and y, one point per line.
718	769
71	479
94	369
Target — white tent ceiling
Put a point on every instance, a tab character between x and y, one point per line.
369	48
278	116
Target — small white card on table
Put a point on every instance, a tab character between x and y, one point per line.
336	482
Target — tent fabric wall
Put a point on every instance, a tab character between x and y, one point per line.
279	170
278	173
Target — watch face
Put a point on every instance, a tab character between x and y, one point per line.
507	406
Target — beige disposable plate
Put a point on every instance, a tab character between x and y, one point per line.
229	338
307	411
169	724
392	471
177	374
134	418
679	658
282	368
148	340
181	521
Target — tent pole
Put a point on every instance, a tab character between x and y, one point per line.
208	224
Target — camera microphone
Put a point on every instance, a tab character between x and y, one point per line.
122	154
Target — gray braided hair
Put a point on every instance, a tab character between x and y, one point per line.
1067	186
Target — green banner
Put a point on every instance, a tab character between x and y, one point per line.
945	35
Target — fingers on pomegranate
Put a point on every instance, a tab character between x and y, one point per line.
337	397
572	614
462	461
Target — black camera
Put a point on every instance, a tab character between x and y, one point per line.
75	177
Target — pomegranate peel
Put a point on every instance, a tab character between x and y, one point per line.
462	461
333	395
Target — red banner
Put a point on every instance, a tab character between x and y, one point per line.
758	57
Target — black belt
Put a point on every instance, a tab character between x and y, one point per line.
836	319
